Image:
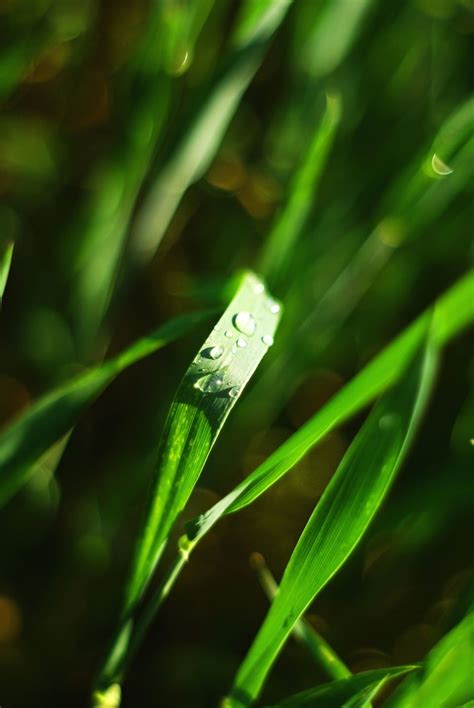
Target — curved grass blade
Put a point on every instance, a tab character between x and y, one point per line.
323	654
446	677
338	693
284	234
203	401
256	25
340	519
6	254
51	417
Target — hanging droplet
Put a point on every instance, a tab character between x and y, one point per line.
245	323
233	392
211	383
228	333
216	327
267	339
241	342
440	167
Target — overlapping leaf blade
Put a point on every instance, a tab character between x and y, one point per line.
340	518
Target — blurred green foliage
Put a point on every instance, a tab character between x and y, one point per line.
182	126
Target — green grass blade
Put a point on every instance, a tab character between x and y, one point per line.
452	312
284	234
337	693
203	401
52	416
6	254
322	653
446	677
340	519
193	155
205	397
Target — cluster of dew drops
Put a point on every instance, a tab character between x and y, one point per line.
244	325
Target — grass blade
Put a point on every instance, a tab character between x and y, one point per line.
337	693
323	654
258	22
284	234
446	677
340	519
6	254
205	397
52	416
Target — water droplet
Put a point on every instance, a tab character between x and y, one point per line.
267	339
258	288
245	323
273	306
210	383
241	342
388	421
216	352
233	392
228	333
217	327
440	167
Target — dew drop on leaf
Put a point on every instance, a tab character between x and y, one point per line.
245	323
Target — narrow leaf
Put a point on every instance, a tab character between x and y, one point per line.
446	677
340	518
336	693
205	397
193	155
6	253
52	416
287	228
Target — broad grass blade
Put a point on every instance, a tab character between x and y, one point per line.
205	397
6	254
446	677
341	518
287	228
340	693
51	417
255	27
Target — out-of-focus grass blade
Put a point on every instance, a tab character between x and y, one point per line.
182	22
205	397
323	654
51	417
6	253
332	35
338	693
256	25
447	675
284	234
452	312
340	518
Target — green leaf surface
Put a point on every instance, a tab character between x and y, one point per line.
52	416
452	312
447	674
341	692
284	234
256	25
205	397
340	518
6	254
